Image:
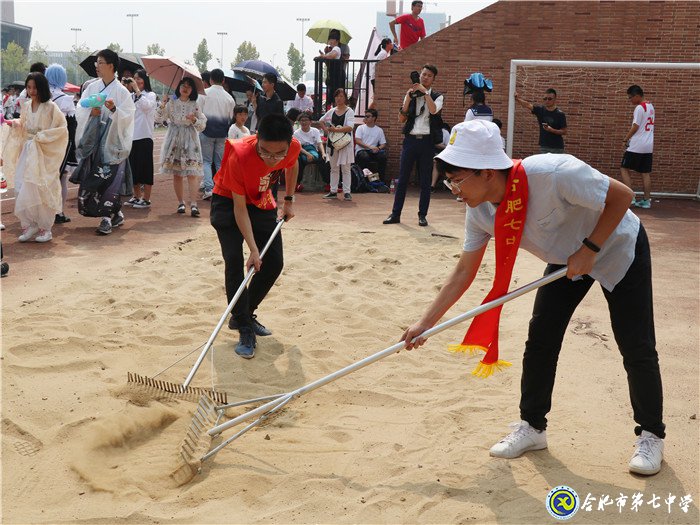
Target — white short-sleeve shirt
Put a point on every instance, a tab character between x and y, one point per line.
643	140
566	198
313	136
373	136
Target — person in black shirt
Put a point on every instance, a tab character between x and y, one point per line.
552	122
268	102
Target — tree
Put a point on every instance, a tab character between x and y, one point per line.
246	51
202	56
155	49
296	64
76	75
38	53
114	46
15	65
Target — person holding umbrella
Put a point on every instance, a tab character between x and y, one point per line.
335	77
109	127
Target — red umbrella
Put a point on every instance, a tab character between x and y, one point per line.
71	88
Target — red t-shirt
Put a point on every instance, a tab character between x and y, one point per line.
412	30
243	172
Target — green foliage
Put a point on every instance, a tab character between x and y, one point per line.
202	56
15	65
246	51
155	49
114	46
296	64
38	53
76	75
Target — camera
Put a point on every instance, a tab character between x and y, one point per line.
415	78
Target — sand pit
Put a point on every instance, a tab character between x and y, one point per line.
403	440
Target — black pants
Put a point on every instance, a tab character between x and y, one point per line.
368	159
421	153
231	240
632	318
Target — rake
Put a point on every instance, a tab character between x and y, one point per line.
197	445
184	389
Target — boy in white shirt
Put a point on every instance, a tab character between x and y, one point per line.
238	129
370	145
570	215
639	142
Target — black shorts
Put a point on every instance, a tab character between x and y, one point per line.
639	162
141	161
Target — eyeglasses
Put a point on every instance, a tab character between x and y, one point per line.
454	186
272	156
548	98
98	63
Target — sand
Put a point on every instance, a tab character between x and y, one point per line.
404	440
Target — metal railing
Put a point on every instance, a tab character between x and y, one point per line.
352	74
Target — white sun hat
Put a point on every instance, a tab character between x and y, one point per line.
477	145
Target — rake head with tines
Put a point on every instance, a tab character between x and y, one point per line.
197	441
189	392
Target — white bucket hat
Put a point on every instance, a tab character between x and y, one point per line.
477	145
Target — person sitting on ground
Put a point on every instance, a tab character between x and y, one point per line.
571	216
312	150
238	129
370	145
301	101
244	209
181	155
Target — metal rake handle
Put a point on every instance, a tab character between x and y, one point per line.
388	351
230	306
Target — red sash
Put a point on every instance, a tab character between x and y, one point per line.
508	230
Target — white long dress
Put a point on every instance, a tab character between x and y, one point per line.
33	151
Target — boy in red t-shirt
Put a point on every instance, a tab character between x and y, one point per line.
243	208
412	26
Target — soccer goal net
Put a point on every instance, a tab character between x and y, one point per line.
593	95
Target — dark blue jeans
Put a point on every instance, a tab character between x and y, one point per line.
632	317
419	152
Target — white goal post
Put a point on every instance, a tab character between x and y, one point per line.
583	64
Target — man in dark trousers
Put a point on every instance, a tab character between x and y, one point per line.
244	209
422	130
268	102
551	120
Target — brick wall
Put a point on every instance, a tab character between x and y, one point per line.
595	101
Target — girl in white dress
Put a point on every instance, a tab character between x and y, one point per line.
181	155
340	119
34	147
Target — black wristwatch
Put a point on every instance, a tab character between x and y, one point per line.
289	198
590	245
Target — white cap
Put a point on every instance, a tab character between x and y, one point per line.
477	145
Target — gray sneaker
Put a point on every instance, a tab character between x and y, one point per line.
347	197
118	220
105	227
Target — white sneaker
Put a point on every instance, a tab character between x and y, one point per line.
649	454
44	236
28	233
206	195
522	439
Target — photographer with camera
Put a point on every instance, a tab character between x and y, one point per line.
421	115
